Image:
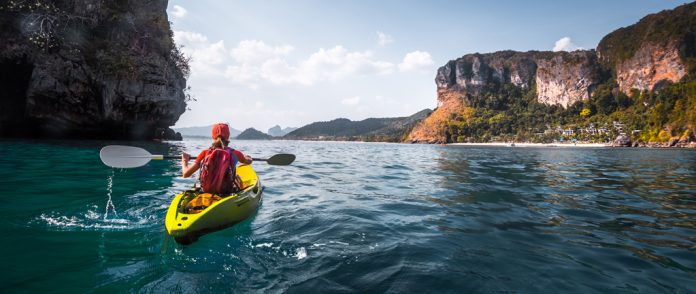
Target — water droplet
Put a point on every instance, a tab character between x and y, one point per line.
109	203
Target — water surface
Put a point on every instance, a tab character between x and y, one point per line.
351	217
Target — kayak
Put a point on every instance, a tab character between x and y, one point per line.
186	223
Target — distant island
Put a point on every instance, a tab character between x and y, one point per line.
277	131
203	131
248	134
393	129
253	134
371	129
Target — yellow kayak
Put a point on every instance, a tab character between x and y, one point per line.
186	222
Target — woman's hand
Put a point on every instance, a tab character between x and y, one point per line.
248	158
185	157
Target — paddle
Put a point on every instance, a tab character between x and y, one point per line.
120	156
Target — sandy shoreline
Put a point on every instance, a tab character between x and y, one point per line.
574	145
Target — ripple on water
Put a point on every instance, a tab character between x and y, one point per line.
354	217
94	220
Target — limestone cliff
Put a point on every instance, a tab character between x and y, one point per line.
658	50
566	78
650	65
89	69
473	73
560	78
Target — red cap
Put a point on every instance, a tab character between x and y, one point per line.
221	130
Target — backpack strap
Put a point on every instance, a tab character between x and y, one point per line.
233	168
200	172
234	158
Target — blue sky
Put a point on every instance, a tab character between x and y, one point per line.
262	63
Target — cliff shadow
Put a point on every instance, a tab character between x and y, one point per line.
15	75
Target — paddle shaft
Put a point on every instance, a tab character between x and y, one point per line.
119	156
179	157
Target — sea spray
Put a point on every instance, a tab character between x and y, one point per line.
109	189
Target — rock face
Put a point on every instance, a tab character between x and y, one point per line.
473	73
622	141
566	77
653	63
103	69
561	78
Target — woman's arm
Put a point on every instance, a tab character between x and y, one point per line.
245	159
186	170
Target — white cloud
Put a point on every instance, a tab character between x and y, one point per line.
386	100
178	11
258	62
254	63
564	44
351	101
336	63
243	73
211	54
205	55
253	51
416	60
278	71
384	39
189	37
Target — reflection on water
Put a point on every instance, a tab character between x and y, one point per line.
354	217
611	210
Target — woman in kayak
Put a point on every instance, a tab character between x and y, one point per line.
221	135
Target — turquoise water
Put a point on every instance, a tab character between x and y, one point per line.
349	217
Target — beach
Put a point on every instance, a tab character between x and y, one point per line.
502	144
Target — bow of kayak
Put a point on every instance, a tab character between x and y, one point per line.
186	225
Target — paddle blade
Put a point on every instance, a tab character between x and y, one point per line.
119	156
281	159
